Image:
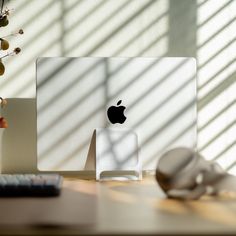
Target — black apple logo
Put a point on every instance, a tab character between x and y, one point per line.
116	113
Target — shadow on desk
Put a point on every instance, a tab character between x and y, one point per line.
72	209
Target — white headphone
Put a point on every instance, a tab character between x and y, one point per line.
184	174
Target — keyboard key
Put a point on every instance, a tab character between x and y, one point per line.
30	185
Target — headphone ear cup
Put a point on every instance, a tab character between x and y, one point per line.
174	169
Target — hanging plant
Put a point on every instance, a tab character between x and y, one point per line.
4	45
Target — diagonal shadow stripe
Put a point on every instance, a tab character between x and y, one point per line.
69	86
217	53
202	3
215	14
116	30
55	72
140	33
231	79
132	81
18	9
218	156
153	43
63	26
58	19
97	26
125	87
217	73
81	19
215	137
51	76
216	33
172	141
38	14
217	115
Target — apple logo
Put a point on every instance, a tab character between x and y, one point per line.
116	113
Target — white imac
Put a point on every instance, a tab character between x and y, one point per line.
74	95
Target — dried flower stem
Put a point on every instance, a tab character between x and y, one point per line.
7	55
14	52
2	5
20	31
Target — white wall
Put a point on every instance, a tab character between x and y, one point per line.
216	47
203	29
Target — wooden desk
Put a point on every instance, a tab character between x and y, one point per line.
89	207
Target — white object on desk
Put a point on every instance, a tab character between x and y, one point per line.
117	150
159	94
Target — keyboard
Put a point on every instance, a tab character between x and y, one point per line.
39	185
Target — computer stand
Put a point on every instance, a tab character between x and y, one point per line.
117	154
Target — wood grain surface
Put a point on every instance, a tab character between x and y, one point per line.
112	207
